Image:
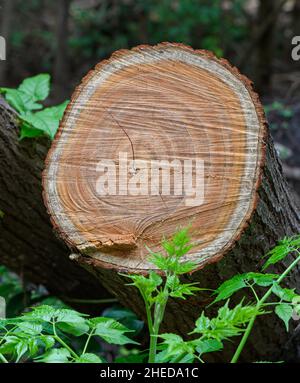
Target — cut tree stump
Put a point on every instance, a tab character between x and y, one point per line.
162	137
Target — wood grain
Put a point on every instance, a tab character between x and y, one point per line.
167	102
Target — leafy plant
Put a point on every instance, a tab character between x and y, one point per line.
229	322
156	291
47	334
43	334
26	99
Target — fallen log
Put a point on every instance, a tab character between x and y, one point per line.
161	137
28	245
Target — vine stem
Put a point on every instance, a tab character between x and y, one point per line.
56	337
88	341
159	312
258	306
4	360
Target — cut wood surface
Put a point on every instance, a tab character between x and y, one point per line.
162	103
170	102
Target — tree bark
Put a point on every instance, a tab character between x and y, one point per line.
105	232
28	245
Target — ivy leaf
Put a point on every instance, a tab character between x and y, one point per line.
56	355
27	131
89	358
111	331
37	87
284	311
21	101
16	99
46	120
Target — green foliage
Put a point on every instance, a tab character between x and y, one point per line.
46	333
126	317
26	100
284	248
156	291
43	334
285	312
240	281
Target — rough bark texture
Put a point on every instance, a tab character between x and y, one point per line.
27	242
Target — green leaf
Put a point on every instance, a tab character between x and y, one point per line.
71	322
56	355
8	347
184	289
111	331
47	120
27	131
30	328
76	329
43	312
241	281
145	285
21	348
21	101
176	346
261	279
17	100
283	249
88	358
69	316
284	312
48	341
208	345
37	87
230	287
284	294
124	316
228	323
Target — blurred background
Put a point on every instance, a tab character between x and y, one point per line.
66	38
